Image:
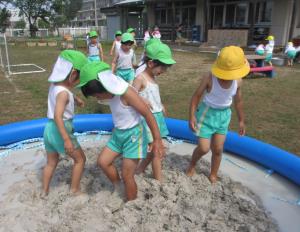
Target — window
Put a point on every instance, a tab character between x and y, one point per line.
263	12
241	13
230	15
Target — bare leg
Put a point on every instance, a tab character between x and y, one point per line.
128	170
144	164
199	151
52	161
105	161
78	166
217	149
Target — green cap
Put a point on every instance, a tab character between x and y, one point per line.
118	33
78	59
90	72
93	34
161	52
152	41
127	37
130	29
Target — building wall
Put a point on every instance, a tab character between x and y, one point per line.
296	33
200	17
281	20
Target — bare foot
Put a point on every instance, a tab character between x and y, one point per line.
213	179
190	171
77	193
44	195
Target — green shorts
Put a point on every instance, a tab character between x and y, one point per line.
260	52
126	74
268	57
131	143
93	58
53	141
291	54
162	126
212	121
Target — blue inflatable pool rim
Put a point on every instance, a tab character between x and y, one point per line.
271	157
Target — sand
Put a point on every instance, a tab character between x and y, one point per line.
179	204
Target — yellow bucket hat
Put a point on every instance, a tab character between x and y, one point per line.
231	64
270	37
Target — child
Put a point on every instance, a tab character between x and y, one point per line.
58	133
260	50
117	43
290	51
156	34
142	65
210	119
269	49
132	32
128	137
124	60
158	58
94	48
147	35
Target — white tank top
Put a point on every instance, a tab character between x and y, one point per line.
54	90
124	117
218	97
117	45
151	93
125	60
93	49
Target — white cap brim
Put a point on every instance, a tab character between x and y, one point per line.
61	70
112	83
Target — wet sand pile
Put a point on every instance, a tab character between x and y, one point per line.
179	204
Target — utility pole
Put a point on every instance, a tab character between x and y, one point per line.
96	17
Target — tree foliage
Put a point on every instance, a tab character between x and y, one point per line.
33	10
4	15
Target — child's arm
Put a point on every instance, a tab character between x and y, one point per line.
164	110
133	99
79	102
114	63
196	99
112	48
134	65
238	103
62	100
101	52
138	84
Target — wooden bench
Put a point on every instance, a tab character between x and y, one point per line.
268	70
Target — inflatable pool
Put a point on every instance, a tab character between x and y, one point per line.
268	171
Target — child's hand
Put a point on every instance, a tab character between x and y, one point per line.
242	129
79	102
157	148
193	123
69	148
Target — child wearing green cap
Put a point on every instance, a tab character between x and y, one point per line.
210	119
158	58
94	48
58	133
132	32
124	61
128	137
117	43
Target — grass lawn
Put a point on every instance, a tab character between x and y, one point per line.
271	105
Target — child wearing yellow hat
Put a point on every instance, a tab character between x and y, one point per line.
269	49
128	137
158	57
124	61
117	43
290	52
58	133
94	47
210	119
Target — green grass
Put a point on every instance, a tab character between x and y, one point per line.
270	105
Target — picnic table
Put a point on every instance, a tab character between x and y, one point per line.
259	67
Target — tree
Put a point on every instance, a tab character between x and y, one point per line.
33	10
63	11
4	16
42	24
21	24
